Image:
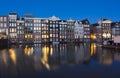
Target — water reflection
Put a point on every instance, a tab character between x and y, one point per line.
13	55
28	50
52	57
4	56
106	56
93	48
44	59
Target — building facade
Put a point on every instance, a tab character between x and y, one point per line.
12	27
63	31
37	30
30	29
106	29
45	30
78	31
54	29
3	27
20	31
115	26
86	31
70	31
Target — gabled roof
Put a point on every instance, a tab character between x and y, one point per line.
104	21
54	18
70	20
76	23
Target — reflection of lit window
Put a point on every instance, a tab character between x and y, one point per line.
44	60
13	55
28	51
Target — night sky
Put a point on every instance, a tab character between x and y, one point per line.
64	9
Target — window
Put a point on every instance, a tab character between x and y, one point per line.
56	39
34	28
18	24
50	39
1	24
25	24
5	25
50	25
5	18
53	25
56	35
1	18
50	35
57	25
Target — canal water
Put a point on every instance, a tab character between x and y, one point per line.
59	61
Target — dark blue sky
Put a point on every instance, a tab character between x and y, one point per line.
65	9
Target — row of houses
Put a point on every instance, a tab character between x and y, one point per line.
105	29
30	29
43	30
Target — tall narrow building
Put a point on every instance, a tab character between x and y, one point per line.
12	27
106	29
70	31
45	30
3	27
37	30
86	26
115	26
28	29
78	32
63	31
54	29
20	31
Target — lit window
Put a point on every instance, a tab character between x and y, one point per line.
53	25
57	25
50	35
50	25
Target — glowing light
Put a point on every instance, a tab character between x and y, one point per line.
4	56
51	51
44	60
93	46
104	35
93	36
108	35
45	36
28	36
28	51
13	55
